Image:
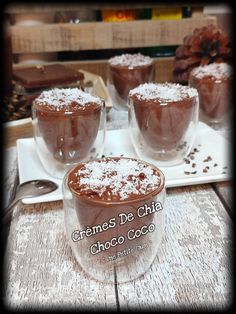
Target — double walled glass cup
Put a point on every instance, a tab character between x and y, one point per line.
126	72
163	121
69	127
213	83
111	228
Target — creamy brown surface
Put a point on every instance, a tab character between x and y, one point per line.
125	78
163	116
114	179
213	82
106	193
214	95
68	127
127	71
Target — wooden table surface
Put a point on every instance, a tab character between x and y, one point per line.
192	269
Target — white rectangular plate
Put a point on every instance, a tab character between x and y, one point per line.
208	143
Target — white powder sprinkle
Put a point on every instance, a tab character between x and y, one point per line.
60	97
130	60
122	177
163	92
216	70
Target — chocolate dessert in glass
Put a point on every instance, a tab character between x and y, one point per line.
69	127
213	83
126	72
114	216
162	121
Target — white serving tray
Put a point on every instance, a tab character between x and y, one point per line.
208	142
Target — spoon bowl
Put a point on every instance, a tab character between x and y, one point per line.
35	188
29	189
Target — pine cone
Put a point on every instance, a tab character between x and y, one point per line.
206	45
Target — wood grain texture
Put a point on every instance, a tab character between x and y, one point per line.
35	8
41	271
10	179
192	268
103	35
163	68
225	192
12	133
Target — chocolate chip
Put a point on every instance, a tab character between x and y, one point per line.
215	165
187	161
187	172
207	159
193	165
193	172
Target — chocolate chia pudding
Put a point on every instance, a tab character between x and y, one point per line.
105	193
127	71
68	121
213	83
163	113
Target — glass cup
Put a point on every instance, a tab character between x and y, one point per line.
213	83
114	237
126	72
67	136
163	122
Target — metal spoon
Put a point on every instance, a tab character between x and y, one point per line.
28	189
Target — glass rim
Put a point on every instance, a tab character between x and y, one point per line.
80	111
143	197
128	67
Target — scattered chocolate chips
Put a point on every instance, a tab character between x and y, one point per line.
190	172
193	165
205	170
186	160
207	159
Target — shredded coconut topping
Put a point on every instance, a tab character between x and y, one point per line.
115	179
63	97
163	92
216	70
130	60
